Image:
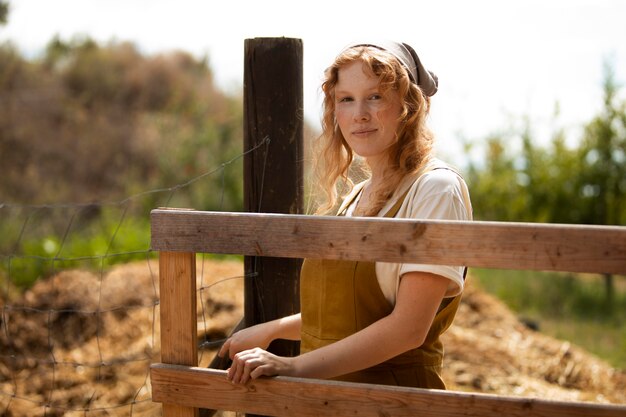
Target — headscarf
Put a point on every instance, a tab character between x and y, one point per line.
407	56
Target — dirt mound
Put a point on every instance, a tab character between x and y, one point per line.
80	341
488	349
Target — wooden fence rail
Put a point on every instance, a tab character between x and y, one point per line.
530	246
284	396
179	234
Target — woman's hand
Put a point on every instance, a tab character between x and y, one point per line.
252	363
258	336
261	335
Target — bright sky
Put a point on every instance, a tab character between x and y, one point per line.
497	61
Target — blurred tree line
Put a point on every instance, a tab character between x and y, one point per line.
88	123
519	180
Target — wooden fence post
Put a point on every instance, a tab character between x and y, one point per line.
179	338
273	174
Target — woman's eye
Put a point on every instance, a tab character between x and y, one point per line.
344	99
376	97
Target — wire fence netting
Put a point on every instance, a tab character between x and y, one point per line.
79	315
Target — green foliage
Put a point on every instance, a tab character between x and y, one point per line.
96	244
497	188
4	12
521	181
603	159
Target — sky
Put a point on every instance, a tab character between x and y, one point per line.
498	62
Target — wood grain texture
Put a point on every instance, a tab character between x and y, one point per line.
273	103
524	246
283	396
179	340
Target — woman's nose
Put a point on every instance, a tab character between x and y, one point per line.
361	113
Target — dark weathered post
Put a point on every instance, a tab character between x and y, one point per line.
273	174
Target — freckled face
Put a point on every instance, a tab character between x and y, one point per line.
367	118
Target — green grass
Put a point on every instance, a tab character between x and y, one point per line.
41	251
96	246
567	306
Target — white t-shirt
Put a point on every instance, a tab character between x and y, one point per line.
435	193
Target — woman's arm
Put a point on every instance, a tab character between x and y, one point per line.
261	335
419	296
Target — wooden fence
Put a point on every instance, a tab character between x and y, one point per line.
183	388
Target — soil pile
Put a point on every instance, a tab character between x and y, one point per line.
80	341
488	349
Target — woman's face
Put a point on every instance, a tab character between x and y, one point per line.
367	118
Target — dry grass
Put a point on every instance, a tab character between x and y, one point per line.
59	358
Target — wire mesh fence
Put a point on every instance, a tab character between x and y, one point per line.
79	303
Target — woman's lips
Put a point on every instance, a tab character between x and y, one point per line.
363	131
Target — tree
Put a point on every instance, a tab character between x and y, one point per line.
497	187
603	151
4	12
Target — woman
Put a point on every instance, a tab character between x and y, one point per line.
365	322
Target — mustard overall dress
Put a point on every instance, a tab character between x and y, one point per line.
339	298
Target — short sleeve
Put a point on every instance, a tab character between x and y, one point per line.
440	194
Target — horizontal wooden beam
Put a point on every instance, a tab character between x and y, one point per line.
524	246
283	396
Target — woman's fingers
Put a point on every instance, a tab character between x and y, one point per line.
236	369
251	364
243	363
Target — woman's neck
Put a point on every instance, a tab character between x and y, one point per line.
371	187
377	167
